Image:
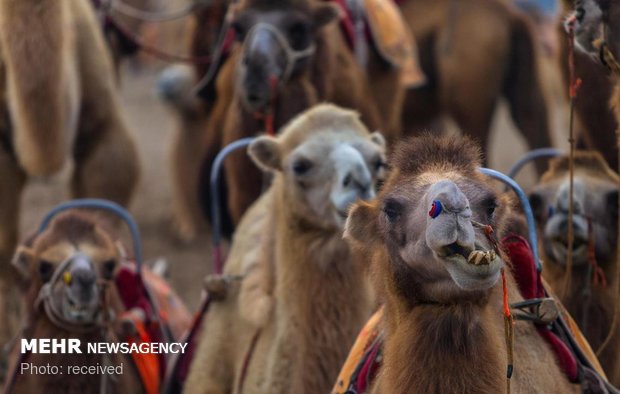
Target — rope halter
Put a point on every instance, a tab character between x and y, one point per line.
45	299
293	56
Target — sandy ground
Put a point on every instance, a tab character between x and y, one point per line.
153	127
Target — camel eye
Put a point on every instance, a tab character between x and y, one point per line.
239	29
379	164
392	210
580	13
46	270
108	269
490	207
302	166
298	35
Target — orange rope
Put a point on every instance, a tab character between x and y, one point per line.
574	84
508	332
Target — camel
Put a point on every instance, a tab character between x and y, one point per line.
473	53
77	258
595	229
439	277
58	102
293	284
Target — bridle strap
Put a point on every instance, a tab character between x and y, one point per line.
293	56
45	301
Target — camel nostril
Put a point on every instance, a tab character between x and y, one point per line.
347	180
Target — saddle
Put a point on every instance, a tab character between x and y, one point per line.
381	24
574	355
155	313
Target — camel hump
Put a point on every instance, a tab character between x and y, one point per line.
36	46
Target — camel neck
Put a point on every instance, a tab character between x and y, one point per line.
320	293
433	348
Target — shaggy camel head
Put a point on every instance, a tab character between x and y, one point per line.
597	21
595	200
279	39
434	257
326	160
74	255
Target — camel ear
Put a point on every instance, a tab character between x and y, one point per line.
361	228
378	139
22	261
265	152
324	14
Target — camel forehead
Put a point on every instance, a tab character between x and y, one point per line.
413	187
323	142
591	178
60	251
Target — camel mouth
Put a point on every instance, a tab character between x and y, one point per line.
472	269
562	240
79	312
559	250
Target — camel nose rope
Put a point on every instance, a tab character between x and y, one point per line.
293	56
45	300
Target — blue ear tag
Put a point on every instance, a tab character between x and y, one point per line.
550	211
436	209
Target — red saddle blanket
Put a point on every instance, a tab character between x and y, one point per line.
575	357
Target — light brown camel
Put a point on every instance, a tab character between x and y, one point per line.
58	102
302	293
439	277
473	53
595	228
74	257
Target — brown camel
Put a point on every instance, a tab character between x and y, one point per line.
473	53
590	298
291	56
59	102
72	259
439	277
302	295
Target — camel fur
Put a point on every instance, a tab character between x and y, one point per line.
444	327
294	287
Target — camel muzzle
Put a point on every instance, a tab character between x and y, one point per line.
450	234
80	294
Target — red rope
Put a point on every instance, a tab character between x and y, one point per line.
598	277
246	360
574	83
268	116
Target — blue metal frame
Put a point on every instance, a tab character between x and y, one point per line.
105	205
527	209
